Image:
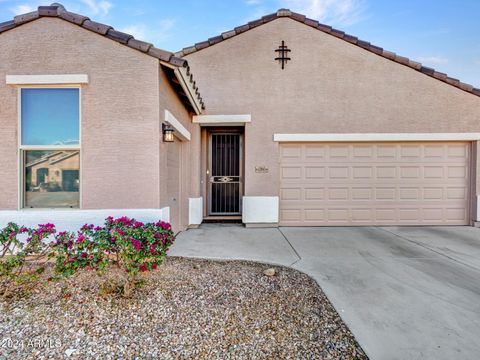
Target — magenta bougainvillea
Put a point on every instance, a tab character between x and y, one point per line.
15	253
125	243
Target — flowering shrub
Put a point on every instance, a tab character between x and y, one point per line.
124	243
16	253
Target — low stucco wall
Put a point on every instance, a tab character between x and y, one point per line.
73	220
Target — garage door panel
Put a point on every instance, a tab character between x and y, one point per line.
433	214
338	152
291	194
314	152
433	193
314	214
291	172
456	172
363	151
457	151
434	152
314	193
456	193
291	153
410	193
362	193
458	214
362	215
315	172
363	172
387	152
338	172
375	184
408	152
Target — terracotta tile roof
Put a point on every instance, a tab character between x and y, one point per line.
165	57
337	33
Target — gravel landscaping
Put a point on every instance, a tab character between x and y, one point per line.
186	309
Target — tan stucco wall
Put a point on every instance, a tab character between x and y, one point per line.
120	111
330	86
189	153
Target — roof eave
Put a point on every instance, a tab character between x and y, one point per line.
182	75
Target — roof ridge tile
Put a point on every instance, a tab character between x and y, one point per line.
311	22
118	36
49	10
96	27
24	18
7	25
74	18
139	45
284	12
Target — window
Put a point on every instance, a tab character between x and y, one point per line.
50	147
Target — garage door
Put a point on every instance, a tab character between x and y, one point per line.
374	183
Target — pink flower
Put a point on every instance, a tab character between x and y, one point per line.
143	267
80	238
136	244
98	228
87	227
137	224
48	228
124	221
83	255
164	225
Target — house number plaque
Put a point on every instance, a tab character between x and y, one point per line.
261	169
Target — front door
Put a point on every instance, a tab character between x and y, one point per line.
225	173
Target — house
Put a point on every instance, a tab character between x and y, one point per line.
282	121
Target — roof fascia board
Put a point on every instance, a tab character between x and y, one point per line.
181	74
180	131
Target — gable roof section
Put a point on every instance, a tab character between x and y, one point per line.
177	69
286	13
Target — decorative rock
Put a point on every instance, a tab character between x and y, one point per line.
217	311
69	352
270	272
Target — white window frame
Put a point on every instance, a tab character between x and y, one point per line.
23	148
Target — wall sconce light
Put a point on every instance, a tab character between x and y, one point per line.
167	133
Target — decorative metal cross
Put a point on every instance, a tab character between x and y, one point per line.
283	54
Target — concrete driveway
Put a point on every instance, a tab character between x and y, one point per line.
405	292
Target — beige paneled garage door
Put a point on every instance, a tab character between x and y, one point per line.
374	183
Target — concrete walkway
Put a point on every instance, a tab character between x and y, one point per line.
405	293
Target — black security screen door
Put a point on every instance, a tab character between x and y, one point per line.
225	173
